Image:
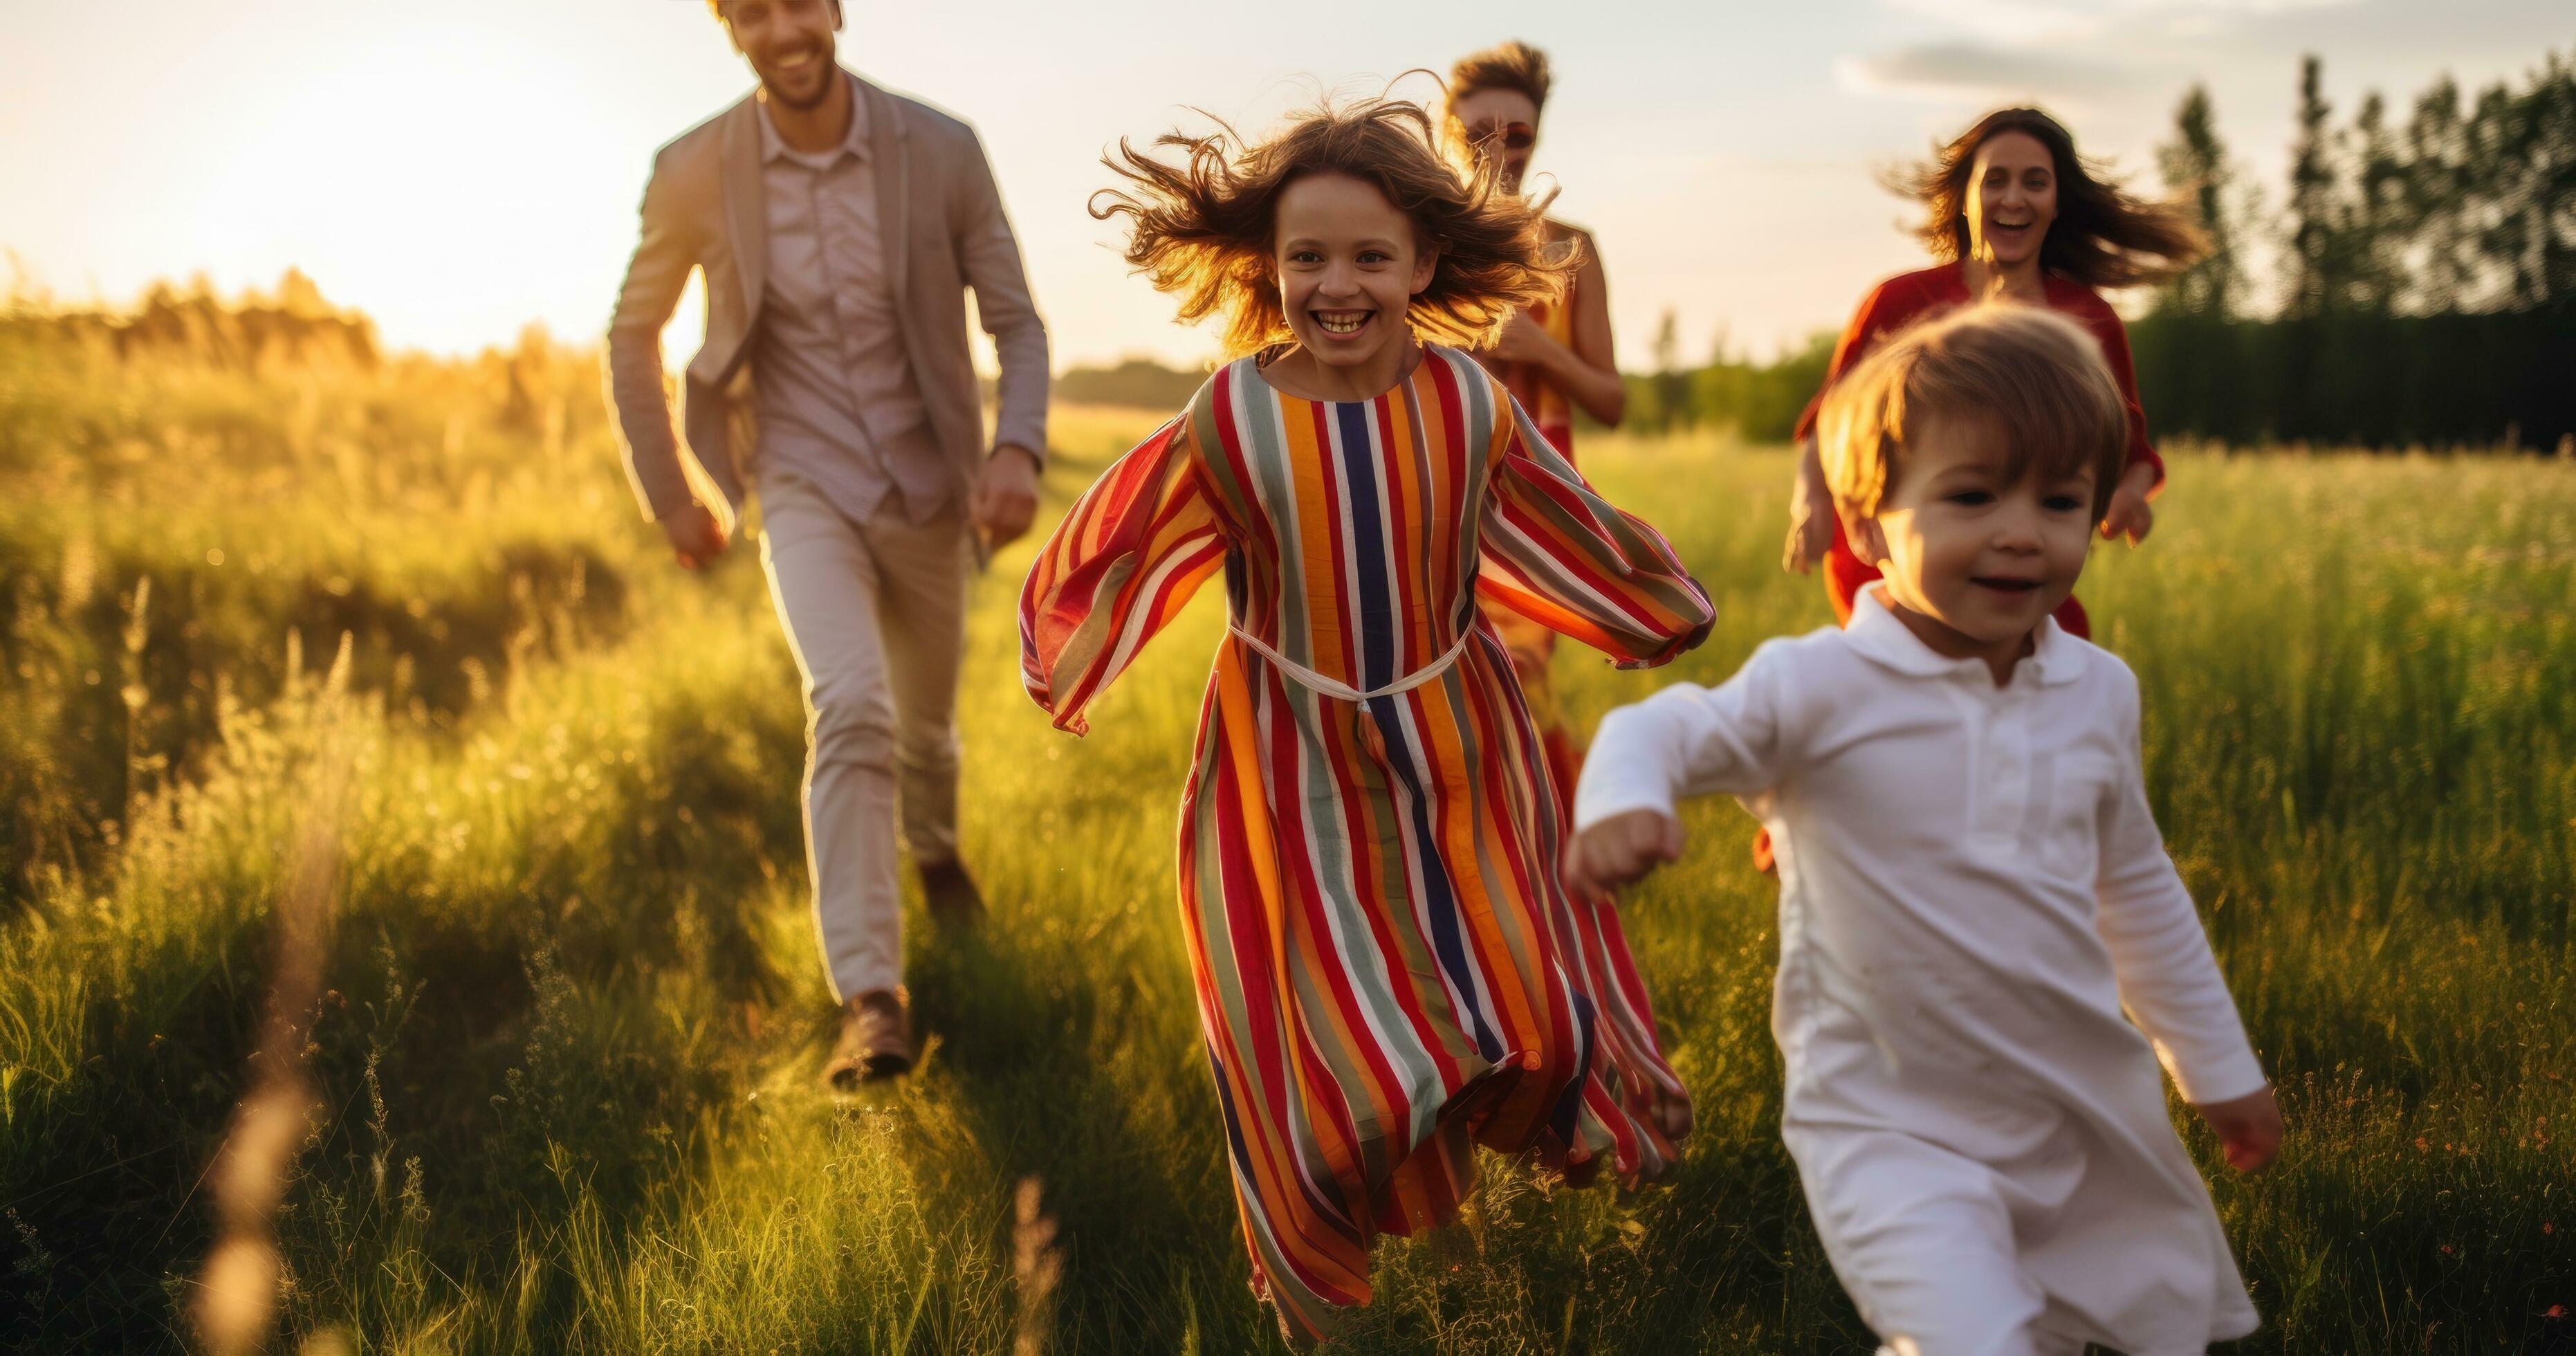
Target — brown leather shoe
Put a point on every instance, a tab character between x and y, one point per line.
951	897
876	1042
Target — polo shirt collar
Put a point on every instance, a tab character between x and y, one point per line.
2055	656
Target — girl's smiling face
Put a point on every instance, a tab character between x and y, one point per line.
1348	263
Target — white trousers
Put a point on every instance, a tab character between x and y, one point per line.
876	614
1924	1242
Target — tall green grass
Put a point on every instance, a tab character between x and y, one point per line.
178	537
570	1062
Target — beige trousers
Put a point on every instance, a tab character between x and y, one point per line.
876	614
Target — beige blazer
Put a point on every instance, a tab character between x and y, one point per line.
704	208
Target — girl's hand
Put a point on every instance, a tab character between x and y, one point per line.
2130	515
2249	1129
1621	849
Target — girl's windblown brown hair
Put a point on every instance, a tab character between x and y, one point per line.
2103	236
1201	228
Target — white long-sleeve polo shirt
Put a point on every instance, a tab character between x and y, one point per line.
1972	886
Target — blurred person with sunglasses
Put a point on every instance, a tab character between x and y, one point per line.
1555	357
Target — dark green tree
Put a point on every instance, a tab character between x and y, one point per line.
2439	182
2196	169
1674	407
2311	267
2374	233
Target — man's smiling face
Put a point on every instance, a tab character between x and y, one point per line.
789	44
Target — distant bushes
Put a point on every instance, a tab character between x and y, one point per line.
2505	378
1140	382
294	326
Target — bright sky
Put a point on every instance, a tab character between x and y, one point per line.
461	167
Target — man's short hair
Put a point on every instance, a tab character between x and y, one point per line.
716	8
1513	65
2033	377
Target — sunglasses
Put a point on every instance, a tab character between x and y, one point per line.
1514	136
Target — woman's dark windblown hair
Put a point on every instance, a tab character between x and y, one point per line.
2103	236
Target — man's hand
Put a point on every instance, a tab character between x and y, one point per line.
696	538
2249	1129
1811	519
1621	849
2130	515
1006	495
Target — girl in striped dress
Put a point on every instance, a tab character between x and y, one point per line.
1388	968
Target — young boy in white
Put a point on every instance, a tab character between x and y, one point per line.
1971	883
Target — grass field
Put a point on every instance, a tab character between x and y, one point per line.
567	1057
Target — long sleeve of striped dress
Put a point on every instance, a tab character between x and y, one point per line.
1388	970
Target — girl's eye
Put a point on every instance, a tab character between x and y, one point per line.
1374	257
1305	257
2062	503
1971	498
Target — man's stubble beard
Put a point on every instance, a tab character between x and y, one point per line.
831	60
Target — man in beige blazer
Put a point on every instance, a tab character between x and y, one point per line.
839	226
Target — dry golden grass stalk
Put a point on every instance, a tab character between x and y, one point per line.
1037	1267
236	1304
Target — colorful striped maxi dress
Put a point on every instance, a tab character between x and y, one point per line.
1388	969
1531	645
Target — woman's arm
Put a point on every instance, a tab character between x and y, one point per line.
2130	514
1811	503
1811	511
1586	370
1591	373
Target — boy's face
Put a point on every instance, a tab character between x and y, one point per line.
1348	266
1961	547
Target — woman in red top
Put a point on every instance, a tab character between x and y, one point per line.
2017	216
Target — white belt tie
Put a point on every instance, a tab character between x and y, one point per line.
1333	687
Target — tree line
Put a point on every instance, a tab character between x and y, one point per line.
2422	288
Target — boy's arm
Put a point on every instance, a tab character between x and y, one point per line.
2168	976
1687	740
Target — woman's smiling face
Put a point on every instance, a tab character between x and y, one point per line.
2012	198
1348	264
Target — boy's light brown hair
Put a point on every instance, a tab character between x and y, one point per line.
1200	222
2032	376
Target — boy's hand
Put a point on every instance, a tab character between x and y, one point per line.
2249	1129
1621	849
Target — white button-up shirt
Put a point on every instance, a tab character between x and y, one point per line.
833	384
1972	886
